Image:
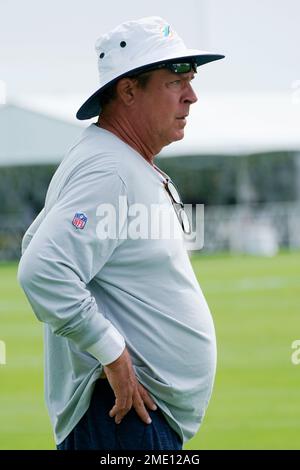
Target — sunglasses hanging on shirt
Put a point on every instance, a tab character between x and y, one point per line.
178	206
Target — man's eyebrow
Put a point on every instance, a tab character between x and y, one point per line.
189	78
173	76
187	75
183	76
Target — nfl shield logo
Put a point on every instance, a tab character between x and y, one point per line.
79	220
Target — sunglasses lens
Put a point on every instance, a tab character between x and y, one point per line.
185	221
181	214
174	193
183	67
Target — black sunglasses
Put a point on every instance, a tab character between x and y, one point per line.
178	206
181	67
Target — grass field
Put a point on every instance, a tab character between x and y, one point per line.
255	303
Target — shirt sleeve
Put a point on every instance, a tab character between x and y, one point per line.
32	229
64	255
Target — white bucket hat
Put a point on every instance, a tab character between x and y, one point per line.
134	46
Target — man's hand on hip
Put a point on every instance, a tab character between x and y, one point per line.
128	391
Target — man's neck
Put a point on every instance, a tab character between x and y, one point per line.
129	136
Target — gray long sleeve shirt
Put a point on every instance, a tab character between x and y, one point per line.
95	294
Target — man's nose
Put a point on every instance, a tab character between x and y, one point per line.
190	95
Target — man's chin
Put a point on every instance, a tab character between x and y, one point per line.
179	135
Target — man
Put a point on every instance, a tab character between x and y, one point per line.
129	339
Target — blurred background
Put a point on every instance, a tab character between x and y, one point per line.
240	158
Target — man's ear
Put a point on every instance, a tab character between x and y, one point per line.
126	88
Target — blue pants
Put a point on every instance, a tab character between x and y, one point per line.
97	430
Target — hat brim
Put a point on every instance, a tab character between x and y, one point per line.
91	107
